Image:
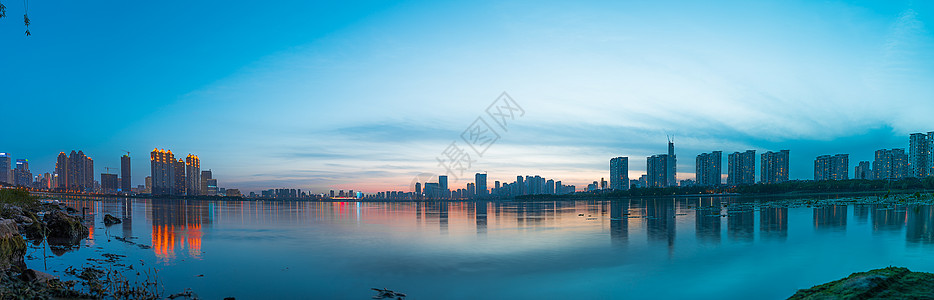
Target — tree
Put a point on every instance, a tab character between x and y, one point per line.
25	14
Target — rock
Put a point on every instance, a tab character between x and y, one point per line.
37	276
110	220
887	283
12	245
64	229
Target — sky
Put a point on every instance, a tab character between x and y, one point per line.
369	95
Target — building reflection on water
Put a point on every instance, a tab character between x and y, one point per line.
178	227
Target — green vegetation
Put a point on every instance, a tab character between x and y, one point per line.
887	283
791	187
18	197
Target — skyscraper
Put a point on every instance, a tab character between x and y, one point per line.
193	175
205	176
708	168
79	172
126	183
741	168
619	173
162	164
890	164
919	154
672	164
656	167
835	167
5	167
443	186
21	174
480	180
61	169
179	187
775	167
863	171
108	183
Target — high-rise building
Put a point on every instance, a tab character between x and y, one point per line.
193	175
126	182
212	187
480	180
444	192
148	187
5	167
108	183
180	182
61	169
774	167
672	164
890	164
656	167
619	173
21	174
162	164
79	172
741	168
919	154
708	166
863	171
207	175
828	167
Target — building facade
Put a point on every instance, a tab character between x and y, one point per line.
863	170
126	181
162	169
919	154
741	168
619	173
834	167
5	167
193	175
774	167
708	169
890	164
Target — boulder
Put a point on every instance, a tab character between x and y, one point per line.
110	220
64	229
887	283
12	245
37	276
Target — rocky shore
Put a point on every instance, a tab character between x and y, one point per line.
887	283
24	220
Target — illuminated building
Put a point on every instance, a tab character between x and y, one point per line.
79	172
741	168
890	164
708	169
5	167
61	170
193	171
828	167
444	193
180	181
162	169
619	173
125	175
919	154
661	169
21	174
774	167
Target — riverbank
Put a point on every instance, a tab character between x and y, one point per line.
26	223
887	283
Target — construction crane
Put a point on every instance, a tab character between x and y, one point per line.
108	170
127	152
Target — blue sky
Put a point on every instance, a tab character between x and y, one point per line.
366	95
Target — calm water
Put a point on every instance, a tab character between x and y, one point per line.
655	248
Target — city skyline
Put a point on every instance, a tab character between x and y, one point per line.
357	97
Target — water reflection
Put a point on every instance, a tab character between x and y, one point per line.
176	227
831	217
773	222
